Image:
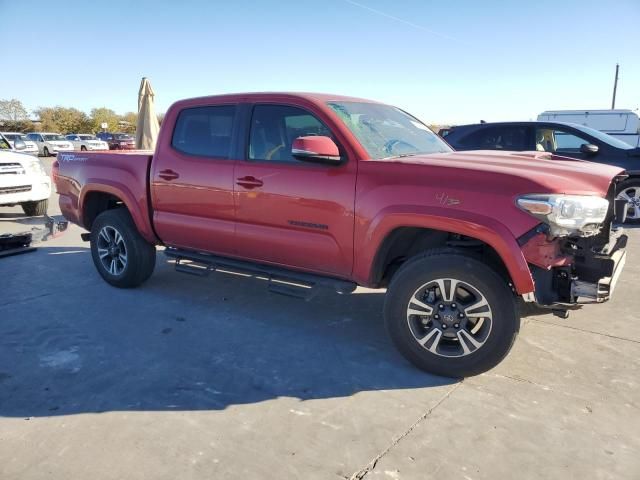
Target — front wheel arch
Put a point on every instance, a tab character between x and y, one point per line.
404	243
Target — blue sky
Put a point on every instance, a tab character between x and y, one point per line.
444	61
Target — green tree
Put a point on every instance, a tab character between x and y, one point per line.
104	115
13	111
128	122
64	120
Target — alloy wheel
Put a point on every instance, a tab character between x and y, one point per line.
449	317
632	196
112	250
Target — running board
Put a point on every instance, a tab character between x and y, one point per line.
280	280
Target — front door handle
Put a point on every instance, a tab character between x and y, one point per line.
168	174
249	182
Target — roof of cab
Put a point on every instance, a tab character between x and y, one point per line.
313	97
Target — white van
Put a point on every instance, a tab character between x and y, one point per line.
622	124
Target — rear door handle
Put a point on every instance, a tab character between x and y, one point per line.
168	174
249	182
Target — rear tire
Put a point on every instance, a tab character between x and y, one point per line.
629	190
122	257
471	327
35	209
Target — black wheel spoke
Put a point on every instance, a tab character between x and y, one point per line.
112	250
449	317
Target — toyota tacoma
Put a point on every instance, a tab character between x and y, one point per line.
311	190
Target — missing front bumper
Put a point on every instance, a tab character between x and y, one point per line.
589	275
602	290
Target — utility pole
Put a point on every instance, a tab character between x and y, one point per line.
615	87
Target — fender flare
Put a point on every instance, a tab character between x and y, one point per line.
137	207
486	229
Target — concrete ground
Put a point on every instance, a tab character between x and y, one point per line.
189	378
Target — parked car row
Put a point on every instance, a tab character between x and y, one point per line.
50	143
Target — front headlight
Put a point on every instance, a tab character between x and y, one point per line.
36	168
567	214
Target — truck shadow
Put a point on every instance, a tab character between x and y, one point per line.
70	344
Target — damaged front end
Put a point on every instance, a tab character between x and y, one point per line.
579	265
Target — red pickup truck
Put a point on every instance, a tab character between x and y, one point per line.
310	190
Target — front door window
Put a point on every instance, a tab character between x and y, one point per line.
558	141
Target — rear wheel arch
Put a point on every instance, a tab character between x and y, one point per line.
96	198
96	202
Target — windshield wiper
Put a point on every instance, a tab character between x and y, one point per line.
402	155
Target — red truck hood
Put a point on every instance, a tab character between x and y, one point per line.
550	173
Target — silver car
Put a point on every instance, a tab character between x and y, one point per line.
85	141
50	143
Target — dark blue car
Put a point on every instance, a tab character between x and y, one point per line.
566	139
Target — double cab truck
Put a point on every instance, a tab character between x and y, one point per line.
314	191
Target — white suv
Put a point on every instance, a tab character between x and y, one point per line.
83	142
50	143
23	181
30	147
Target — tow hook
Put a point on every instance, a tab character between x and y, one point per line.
561	313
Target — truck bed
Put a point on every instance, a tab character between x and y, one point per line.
123	174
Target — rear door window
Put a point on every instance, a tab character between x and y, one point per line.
205	131
512	138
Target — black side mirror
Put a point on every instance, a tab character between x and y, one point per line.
19	144
589	148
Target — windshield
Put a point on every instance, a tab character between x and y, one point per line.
122	136
387	132
12	136
87	137
54	137
603	137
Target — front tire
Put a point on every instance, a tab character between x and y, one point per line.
45	152
451	314
629	190
122	257
35	209
83	148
